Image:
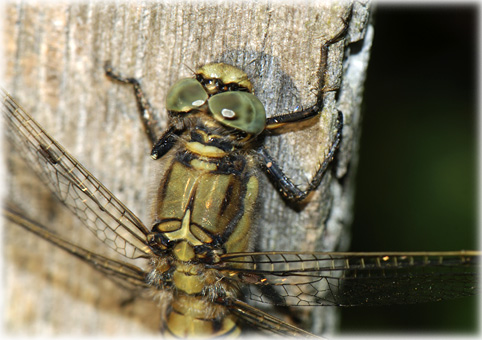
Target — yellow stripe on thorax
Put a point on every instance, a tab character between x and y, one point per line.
205	150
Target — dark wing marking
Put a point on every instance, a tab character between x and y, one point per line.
125	274
100	211
350	279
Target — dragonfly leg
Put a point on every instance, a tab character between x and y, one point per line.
284	184
149	122
295	117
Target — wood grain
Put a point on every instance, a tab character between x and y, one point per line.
54	57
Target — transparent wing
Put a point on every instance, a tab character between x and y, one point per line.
125	274
110	220
259	319
350	279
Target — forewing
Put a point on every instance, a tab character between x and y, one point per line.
100	211
350	279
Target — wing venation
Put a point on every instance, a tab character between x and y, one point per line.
99	210
350	279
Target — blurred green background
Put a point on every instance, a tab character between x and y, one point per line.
416	181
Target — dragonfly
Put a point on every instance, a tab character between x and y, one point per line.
198	246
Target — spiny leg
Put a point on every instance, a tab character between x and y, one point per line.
284	184
295	117
149	123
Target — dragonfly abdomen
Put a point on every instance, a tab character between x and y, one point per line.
190	316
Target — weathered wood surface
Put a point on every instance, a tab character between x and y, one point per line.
54	57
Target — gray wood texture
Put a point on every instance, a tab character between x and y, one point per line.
54	56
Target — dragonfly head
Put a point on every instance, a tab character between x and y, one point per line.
225	92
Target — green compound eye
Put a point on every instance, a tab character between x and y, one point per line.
239	110
185	95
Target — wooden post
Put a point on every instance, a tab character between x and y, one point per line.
54	57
